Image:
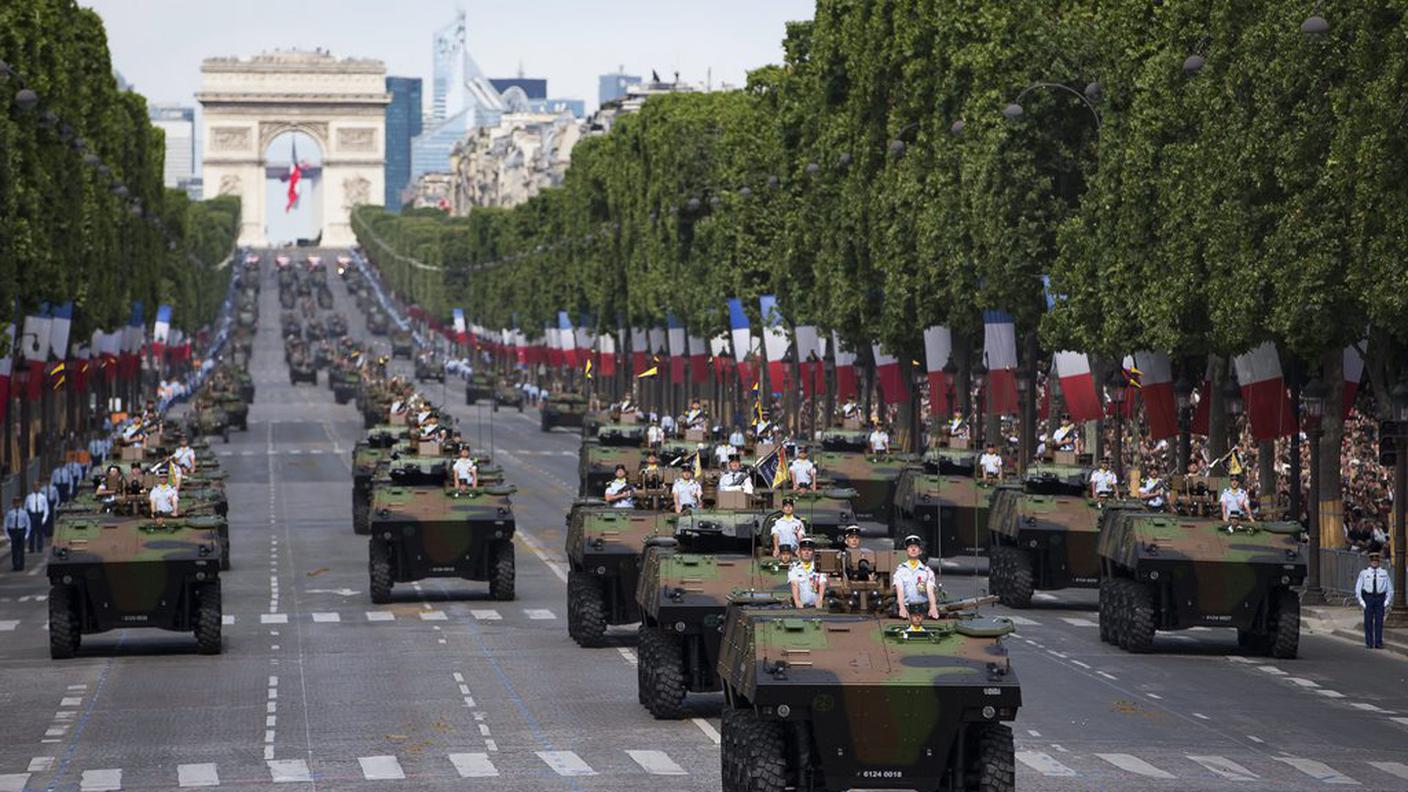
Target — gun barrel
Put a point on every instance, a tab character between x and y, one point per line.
966	604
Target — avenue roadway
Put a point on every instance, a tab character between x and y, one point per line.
447	689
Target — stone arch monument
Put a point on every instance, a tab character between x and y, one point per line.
340	103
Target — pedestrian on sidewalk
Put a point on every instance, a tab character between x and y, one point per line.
1373	589
17	527
37	505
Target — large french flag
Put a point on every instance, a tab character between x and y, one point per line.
1077	385
658	343
161	330
6	367
606	354
584	337
554	346
809	357
35	350
567	339
887	371
938	347
721	353
739	331
1353	374
698	359
1000	348
461	334
774	342
847	387
1266	402
1156	391
106	347
295	176
640	351
678	341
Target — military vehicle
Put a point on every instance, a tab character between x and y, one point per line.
479	386
403	344
108	572
235	407
843	460
508	394
604	545
377	322
242	382
1189	568
336	326
301	369
429	367
597	457
845	696
1043	533
944	502
207	418
344	381
366	455
424	532
563	409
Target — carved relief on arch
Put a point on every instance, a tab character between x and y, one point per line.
229	184
268	130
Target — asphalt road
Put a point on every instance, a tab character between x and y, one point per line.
447	689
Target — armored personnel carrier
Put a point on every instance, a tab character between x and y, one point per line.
344	381
207	418
845	696
301	369
614	444
108	572
430	368
508	394
844	460
377	322
423	532
403	344
1189	568
366	455
1044	533
944	502
479	387
563	409
604	546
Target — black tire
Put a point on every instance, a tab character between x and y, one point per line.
1119	610
764	761
993	765
64	631
208	619
380	571
1107	628
520	406
502	573
225	555
730	751
997	567
645	660
664	676
586	609
1139	620
1016	579
360	515
225	433
468	400
1285	634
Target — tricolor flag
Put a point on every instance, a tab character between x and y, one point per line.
1265	401
161	329
1077	385
938	348
809	358
7	351
719	351
640	350
583	337
698	359
1000	349
774	342
34	348
606	351
60	322
845	360
554	345
1156	391
739	330
295	175
679	351
887	371
461	334
567	340
1353	373
658	346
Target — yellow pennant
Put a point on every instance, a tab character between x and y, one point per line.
650	372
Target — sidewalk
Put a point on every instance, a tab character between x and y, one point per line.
1348	622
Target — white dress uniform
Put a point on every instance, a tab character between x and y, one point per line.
913	579
808	581
464	469
1104	482
788	530
688	491
991	464
1235	501
879	441
615	488
803	471
163	499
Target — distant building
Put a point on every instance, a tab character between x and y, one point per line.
194	187
577	107
532	87
506	164
635	96
403	124
613	86
179	125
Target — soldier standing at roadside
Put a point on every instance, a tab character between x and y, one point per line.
17	527
1373	589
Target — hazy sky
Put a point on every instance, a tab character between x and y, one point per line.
158	44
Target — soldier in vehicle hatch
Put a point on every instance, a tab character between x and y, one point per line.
466	472
860	561
735	479
620	493
1103	482
686	492
915	587
1235	503
787	529
808	584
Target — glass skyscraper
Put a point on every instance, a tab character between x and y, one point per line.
403	123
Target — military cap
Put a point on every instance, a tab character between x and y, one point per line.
807	541
913	539
851	529
787	547
789	501
1375	556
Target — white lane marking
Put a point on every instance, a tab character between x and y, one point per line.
433	615
473	765
1317	770
71	701
1400	721
289	771
1133	764
13	782
1086	666
1302	682
380	616
1033	732
1077	622
1329	693
273	618
1107	676
381	768
1366	706
629	656
458	676
1023	621
1272	670
1044	763
656	762
41	764
197	775
1392	768
1155	696
1044	597
565	763
96	780
1256	739
327	617
1225	768
9	624
557	567
1240	659
486	615
1201	716
227	620
709	730
539	614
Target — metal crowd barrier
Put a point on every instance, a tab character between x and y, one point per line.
1339	571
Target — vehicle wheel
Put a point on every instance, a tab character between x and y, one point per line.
730	751
1285	634
586	612
225	433
993	762
1017	579
665	692
502	574
495	407
1107	631
997	568
520	406
1139	621
208	619
359	516
645	660
225	556
64	631
764	764
380	570
1119	610
468	400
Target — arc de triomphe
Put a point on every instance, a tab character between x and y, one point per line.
340	103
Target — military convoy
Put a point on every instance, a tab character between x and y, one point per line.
563	409
1044	532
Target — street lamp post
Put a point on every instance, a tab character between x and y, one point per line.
1115	388
1398	614
950	390
1024	388
978	373
1232	399
1312	411
1183	398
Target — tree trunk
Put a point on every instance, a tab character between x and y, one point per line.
1217	408
1331	496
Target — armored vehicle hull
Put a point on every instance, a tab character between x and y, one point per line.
873	479
509	396
477	389
565	409
426	532
604	547
1041	543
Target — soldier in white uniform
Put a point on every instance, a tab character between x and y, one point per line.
164	500
736	479
802	471
915	586
787	529
879	440
686	491
620	493
1103	482
1373	589
465	471
1235	503
990	463
808	584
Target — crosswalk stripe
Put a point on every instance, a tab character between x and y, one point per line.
1044	597
227	620
97	780
1366	706
486	615
656	762
381	768
1133	764
1317	770
473	765
41	764
538	614
1023	621
1225	768
1401	721
433	615
1077	622
565	763
9	624
197	775
327	617
1043	763
13	782
289	771
380	616
273	618
1392	768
